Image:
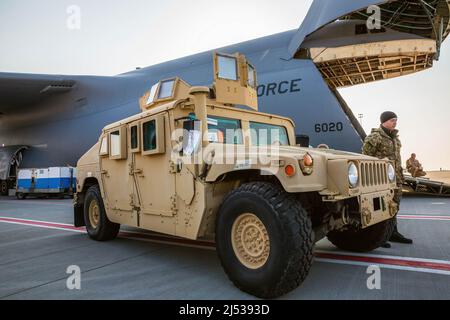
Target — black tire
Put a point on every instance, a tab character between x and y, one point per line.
290	235
105	230
4	188
363	240
21	196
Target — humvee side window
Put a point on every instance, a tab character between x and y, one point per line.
251	76
223	130
166	89
153	90
115	144
227	67
149	133
104	146
153	136
118	144
134	142
265	134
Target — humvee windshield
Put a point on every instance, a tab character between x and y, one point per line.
265	135
226	131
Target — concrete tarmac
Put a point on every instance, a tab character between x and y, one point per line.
38	244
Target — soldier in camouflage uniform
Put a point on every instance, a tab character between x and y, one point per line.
415	167
385	143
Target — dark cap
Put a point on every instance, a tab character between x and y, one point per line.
386	116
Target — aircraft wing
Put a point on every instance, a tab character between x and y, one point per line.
20	90
425	18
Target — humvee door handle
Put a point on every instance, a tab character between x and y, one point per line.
139	172
105	173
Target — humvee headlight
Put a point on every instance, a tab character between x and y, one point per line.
353	175
307	164
391	173
308	160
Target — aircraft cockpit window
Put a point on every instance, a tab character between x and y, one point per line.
166	89
153	90
227	67
251	76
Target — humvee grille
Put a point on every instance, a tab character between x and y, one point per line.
373	174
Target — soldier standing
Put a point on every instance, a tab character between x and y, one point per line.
383	143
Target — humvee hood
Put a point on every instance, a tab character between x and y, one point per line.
329	154
90	157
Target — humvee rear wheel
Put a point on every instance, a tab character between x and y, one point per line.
98	225
363	240
264	240
94	214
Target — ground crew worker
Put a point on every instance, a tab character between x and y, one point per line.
383	143
415	167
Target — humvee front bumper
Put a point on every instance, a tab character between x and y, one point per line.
377	207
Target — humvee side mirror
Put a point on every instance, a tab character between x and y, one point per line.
302	141
191	136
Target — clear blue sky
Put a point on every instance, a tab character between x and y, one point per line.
117	36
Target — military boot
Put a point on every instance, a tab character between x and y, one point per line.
399	238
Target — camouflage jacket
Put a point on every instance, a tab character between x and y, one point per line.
380	145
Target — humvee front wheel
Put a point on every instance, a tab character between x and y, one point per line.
98	225
264	240
363	240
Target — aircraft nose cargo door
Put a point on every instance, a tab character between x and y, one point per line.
403	37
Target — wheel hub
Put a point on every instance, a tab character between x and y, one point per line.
250	241
94	214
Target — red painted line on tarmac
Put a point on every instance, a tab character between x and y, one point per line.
42	224
123	234
404	262
388	261
423	217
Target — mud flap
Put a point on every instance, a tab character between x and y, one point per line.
78	216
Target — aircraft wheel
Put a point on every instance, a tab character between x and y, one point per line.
4	188
21	196
264	240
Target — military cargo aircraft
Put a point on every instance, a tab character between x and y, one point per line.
51	120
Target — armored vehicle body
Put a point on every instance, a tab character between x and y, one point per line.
203	164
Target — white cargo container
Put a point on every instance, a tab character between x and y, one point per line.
55	180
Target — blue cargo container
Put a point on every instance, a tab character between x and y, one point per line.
56	180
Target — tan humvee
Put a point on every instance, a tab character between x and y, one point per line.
202	163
